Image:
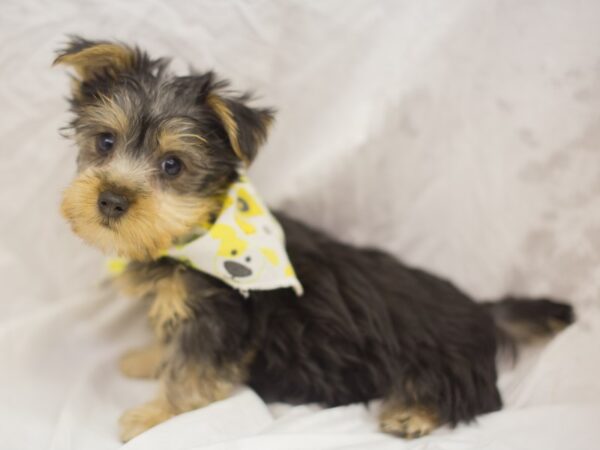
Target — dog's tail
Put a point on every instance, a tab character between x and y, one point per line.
521	320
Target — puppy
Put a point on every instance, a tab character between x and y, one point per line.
157	155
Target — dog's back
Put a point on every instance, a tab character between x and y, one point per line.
370	327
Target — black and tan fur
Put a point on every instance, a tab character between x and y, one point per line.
367	326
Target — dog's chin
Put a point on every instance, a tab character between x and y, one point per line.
154	220
144	233
121	239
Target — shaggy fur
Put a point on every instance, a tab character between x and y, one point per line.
367	325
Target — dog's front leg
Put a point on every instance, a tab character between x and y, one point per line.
144	362
163	286
184	386
203	330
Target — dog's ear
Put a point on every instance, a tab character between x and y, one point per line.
98	63
246	127
91	59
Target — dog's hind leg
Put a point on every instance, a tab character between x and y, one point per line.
407	421
439	391
408	418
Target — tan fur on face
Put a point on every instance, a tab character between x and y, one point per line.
112	58
106	114
177	134
154	219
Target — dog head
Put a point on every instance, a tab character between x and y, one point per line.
157	152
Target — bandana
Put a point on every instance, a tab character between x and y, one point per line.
244	247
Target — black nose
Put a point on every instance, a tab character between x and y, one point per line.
236	269
112	205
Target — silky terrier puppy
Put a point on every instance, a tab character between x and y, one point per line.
158	156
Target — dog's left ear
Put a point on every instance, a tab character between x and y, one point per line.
246	127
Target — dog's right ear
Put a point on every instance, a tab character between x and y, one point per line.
96	60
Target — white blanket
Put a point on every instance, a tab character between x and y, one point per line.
462	136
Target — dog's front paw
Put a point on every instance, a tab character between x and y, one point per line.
137	420
408	423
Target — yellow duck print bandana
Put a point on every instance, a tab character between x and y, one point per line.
244	247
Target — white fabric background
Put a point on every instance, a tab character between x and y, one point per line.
463	136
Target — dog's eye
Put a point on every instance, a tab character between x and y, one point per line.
171	166
105	143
